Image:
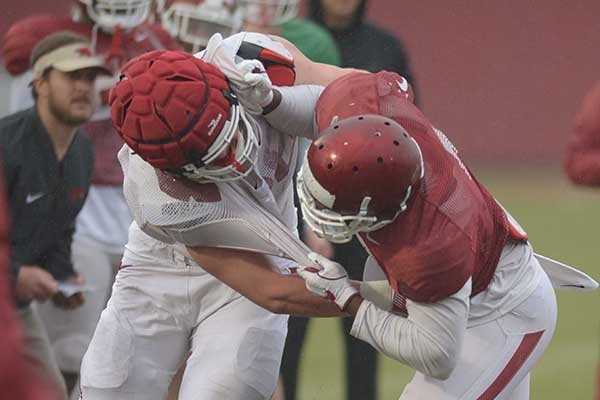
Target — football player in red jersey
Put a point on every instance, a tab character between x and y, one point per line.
118	31
478	311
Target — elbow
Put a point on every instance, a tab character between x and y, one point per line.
441	365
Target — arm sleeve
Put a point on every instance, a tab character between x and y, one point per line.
429	339
295	115
582	158
57	260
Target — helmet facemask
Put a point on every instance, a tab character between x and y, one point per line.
194	24
127	14
269	12
231	156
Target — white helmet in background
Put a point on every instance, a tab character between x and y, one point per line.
193	22
107	14
269	12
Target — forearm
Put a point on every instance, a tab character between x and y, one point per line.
295	112
429	340
309	72
250	274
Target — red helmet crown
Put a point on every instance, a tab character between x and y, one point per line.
169	107
366	156
358	176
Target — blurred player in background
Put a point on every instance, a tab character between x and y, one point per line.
17	379
582	159
193	22
210	188
118	31
280	18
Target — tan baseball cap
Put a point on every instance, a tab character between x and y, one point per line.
68	58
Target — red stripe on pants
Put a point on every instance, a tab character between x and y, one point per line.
598	382
516	362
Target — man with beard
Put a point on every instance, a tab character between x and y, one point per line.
47	169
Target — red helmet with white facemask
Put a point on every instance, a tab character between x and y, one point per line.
179	114
269	12
193	22
358	176
108	14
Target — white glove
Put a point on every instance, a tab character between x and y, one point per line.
255	90
330	281
248	78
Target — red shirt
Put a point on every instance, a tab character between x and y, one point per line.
18	380
582	161
453	229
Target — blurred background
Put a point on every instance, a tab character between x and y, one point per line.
503	80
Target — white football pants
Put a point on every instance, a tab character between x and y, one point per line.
157	315
497	356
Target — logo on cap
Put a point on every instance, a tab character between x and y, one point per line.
84	51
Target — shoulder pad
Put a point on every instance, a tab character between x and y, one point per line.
23	35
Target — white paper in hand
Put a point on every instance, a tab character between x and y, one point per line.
68	289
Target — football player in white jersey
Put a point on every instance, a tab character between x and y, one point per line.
210	189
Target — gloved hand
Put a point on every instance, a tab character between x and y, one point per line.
330	280
254	90
248	78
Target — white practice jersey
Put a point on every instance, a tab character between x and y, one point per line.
255	213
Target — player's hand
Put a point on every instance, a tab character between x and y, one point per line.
254	90
330	280
35	283
73	301
249	79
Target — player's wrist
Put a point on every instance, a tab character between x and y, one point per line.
345	295
353	305
273	103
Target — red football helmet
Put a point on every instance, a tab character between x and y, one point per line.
358	176
193	22
179	114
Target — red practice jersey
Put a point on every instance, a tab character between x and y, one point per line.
18	380
118	48
582	161
453	229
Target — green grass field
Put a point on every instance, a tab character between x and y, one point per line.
563	222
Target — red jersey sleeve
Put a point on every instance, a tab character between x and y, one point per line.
582	159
